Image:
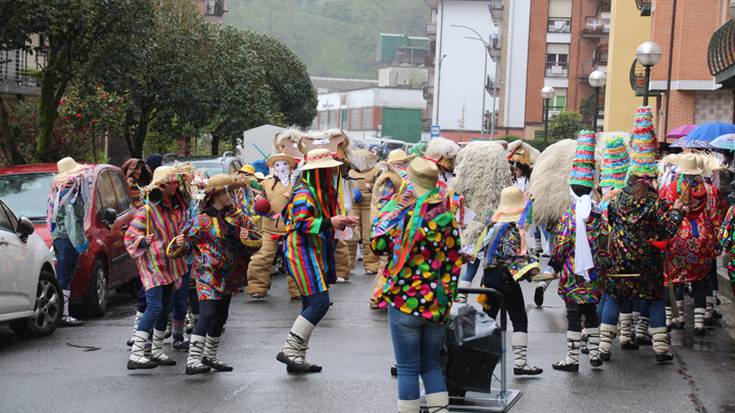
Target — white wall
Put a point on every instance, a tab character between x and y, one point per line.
516	64
461	84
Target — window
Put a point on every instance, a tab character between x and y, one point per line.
11	217
355	119
121	192
323	119
104	192
559	102
5	223
557	60
367	119
332	118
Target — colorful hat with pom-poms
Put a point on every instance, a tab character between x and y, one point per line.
643	144
583	167
615	163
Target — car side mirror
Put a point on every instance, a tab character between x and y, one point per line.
107	216
24	228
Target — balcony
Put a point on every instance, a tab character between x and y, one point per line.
428	92
644	6
557	69
496	10
491	87
494	46
431	30
721	54
596	27
559	25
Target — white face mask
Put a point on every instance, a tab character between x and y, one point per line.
283	171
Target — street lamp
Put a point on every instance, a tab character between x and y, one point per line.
597	80
547	92
648	54
486	47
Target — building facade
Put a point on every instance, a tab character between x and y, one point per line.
213	10
19	69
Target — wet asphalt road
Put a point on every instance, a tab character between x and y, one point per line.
353	345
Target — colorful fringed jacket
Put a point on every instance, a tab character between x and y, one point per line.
310	244
503	248
164	220
690	253
220	257
574	288
727	241
422	245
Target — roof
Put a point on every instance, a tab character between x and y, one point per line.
29	168
338	84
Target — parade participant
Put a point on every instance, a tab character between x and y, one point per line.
580	245
219	237
506	264
420	237
362	174
550	194
311	216
153	161
137	175
157	224
690	254
277	190
726	237
710	167
638	216
443	153
68	195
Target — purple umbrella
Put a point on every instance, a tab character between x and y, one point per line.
680	131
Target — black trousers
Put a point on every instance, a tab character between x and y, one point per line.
500	279
212	317
575	312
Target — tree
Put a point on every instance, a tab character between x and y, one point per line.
566	125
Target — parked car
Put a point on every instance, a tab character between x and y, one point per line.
30	297
225	164
106	265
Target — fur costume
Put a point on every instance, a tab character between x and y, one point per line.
482	171
443	152
287	142
550	182
333	139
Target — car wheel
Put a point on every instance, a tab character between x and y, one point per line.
49	309
97	297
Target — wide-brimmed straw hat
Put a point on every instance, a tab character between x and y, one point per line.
281	157
687	165
320	159
512	204
161	176
68	167
398	156
423	174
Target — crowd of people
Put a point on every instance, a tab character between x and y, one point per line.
626	234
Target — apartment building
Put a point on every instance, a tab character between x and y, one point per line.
19	69
213	10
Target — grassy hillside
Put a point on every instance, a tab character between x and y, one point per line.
333	37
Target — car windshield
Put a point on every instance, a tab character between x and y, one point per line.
212	168
26	194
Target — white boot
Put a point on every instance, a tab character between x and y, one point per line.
679	321
669	316
138	315
626	332
699	321
661	344
520	356
293	353
437	402
67	320
210	359
571	361
409	406
194	363
607	332
708	310
137	359
593	344
157	354
641	332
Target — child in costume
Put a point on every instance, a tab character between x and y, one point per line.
420	237
219	237
312	215
579	247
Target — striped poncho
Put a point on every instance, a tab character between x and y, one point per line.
310	244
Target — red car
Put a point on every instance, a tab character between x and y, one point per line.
106	264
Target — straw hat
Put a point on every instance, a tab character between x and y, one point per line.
689	164
423	174
68	167
217	183
512	204
281	157
320	159
397	156
161	176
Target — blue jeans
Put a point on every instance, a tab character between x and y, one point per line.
67	258
613	308
180	298
314	307
470	270
158	306
416	344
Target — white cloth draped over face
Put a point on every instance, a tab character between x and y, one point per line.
282	170
583	261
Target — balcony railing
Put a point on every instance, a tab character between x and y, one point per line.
596	26
559	25
428	92
496	10
557	69
491	87
644	6
431	29
721	53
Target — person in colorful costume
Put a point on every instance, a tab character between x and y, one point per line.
68	195
155	226
726	237
420	237
137	175
363	174
506	264
690	254
580	245
277	190
444	152
388	185
220	239
638	217
312	215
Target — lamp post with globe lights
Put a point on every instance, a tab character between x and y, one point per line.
648	54
597	80
548	93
